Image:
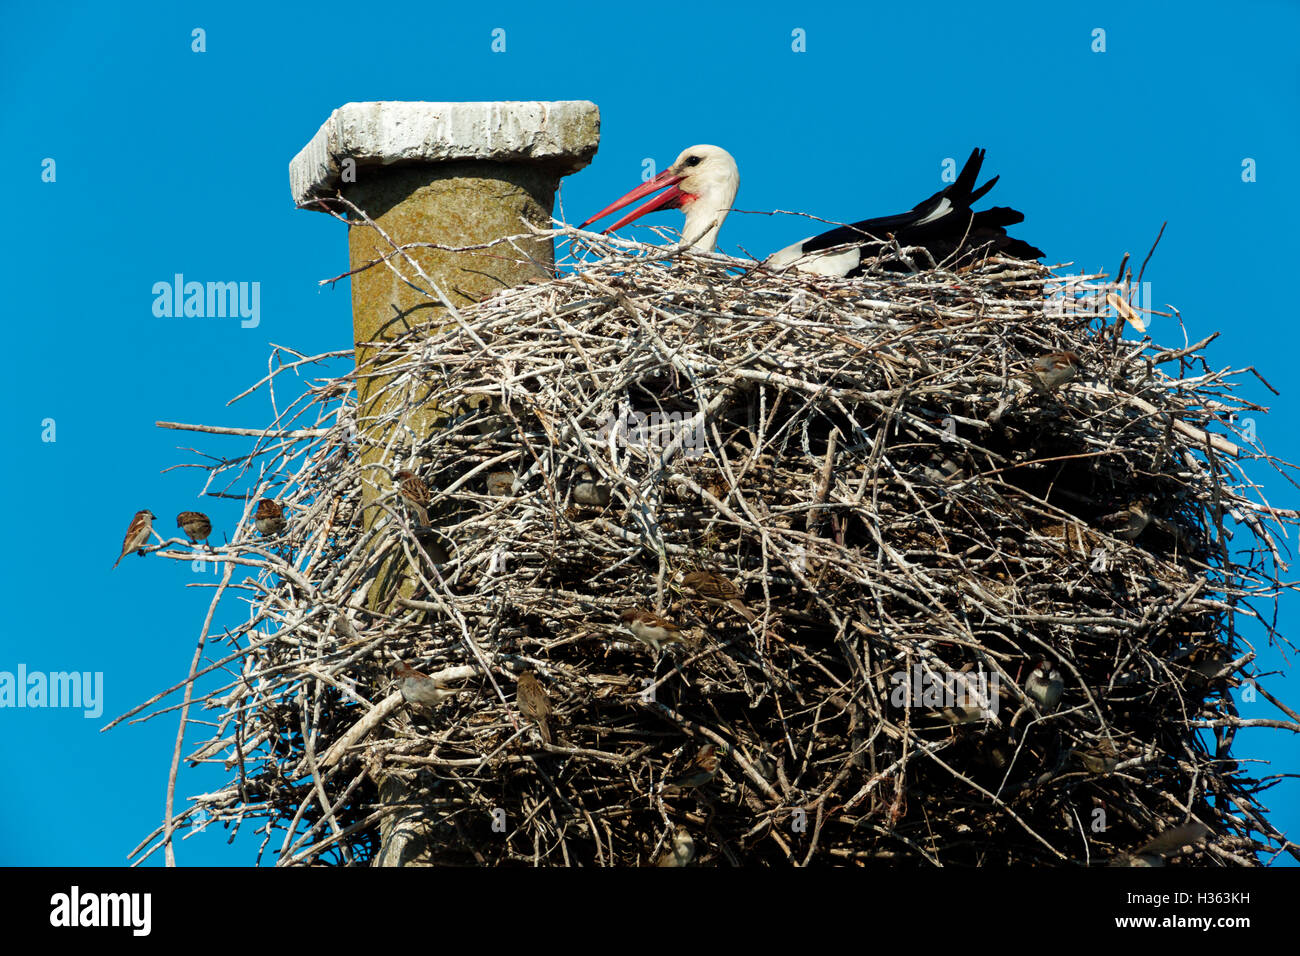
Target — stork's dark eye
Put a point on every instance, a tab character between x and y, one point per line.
692	160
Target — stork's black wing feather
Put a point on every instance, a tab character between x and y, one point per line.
942	223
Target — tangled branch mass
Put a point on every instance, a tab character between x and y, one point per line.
903	568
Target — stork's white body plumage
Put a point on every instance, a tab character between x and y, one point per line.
703	182
823	264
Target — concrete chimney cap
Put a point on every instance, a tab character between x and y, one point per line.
562	135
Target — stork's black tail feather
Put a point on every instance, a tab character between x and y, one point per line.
943	224
997	216
990	226
964	187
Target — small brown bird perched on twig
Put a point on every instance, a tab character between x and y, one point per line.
680	850
1206	663
702	768
1154	852
717	590
1129	523
137	534
651	629
500	484
533	702
1049	372
419	688
269	517
1044	685
589	490
195	524
415	492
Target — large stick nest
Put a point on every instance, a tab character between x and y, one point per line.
899	499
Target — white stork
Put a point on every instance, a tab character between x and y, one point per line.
703	180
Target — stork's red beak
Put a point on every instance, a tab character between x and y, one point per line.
669	199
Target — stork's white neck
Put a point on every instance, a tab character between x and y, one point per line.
703	220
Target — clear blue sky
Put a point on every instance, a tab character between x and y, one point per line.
173	161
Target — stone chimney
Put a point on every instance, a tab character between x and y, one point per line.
453	174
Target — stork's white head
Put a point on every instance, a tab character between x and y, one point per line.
703	181
709	182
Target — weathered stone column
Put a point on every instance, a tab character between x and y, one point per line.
452	173
455	174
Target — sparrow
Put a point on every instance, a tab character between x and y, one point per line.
1129	523
195	524
500	484
1053	370
680	850
415	492
702	768
943	467
1154	852
715	589
1098	760
1207	663
1176	838
533	702
590	492
1044	685
651	629
137	534
269	517
1104	757
417	688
